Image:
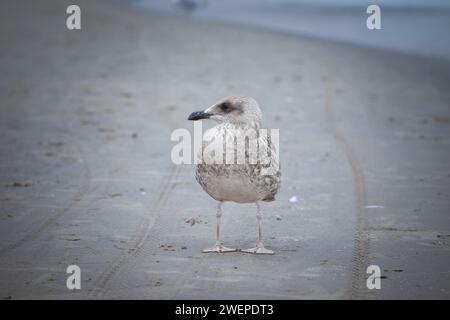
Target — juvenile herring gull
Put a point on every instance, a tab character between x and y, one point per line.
239	174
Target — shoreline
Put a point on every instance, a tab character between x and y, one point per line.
344	25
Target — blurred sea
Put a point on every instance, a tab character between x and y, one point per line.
410	26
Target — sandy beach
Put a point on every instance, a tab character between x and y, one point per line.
86	177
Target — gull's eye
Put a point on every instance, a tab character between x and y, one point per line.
225	107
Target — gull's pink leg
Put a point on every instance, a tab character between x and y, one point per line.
259	249
218	247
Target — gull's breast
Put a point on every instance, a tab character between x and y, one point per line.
224	183
242	183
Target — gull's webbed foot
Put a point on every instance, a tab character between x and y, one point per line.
219	248
259	249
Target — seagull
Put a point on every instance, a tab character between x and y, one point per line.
245	172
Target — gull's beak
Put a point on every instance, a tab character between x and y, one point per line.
197	115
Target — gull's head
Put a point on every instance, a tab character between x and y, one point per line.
243	112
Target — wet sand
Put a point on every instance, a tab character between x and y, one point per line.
86	176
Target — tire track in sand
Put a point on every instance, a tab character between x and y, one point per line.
80	193
361	240
103	284
52	219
